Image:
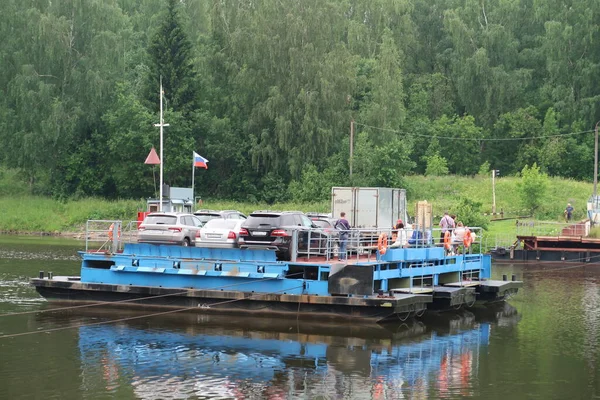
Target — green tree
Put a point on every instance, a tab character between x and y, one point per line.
532	187
133	135
512	155
436	165
459	143
384	165
314	185
484	169
171	58
470	213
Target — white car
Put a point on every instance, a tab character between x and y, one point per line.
219	233
169	228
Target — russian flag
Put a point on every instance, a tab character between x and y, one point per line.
200	161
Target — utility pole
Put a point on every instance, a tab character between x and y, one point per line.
596	164
161	125
351	144
493	192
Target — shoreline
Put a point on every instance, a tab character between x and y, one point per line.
71	235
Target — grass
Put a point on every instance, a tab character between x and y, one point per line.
26	213
445	191
41	214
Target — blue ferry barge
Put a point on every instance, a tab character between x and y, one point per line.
369	286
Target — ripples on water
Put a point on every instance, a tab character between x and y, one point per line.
18	292
21	258
548	349
11	254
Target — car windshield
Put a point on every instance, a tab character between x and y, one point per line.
206	217
161	220
321	224
219	223
257	220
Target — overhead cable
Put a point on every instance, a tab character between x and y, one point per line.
62	328
473	139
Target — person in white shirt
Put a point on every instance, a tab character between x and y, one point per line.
402	236
458	236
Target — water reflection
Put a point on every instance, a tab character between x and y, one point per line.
196	356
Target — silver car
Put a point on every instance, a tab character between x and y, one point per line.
219	233
207	215
169	228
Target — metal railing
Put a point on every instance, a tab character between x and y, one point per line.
498	241
545	228
363	243
109	236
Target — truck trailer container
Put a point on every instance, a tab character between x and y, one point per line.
369	207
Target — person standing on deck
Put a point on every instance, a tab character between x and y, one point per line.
343	226
447	224
458	237
568	212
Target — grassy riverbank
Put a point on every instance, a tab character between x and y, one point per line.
444	192
25	213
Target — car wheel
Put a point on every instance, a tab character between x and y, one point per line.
284	255
186	242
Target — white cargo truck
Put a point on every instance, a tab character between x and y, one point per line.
369	207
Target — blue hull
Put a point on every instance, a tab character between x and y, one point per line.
399	284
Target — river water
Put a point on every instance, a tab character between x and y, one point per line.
543	343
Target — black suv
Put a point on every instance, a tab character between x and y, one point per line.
274	229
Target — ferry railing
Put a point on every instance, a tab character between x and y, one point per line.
546	228
318	243
104	235
498	241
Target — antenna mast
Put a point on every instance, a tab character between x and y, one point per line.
161	125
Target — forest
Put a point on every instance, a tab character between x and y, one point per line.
266	90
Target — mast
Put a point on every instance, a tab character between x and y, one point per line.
161	125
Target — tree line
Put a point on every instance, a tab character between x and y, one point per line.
267	89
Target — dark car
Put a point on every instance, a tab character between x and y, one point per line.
207	215
274	229
313	215
327	224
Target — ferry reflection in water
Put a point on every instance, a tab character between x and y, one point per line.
215	357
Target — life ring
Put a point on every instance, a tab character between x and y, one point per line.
382	243
468	239
110	232
447	240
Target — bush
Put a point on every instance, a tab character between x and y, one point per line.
470	214
436	165
484	170
532	187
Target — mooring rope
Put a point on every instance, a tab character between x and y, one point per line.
101	303
564	268
62	328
